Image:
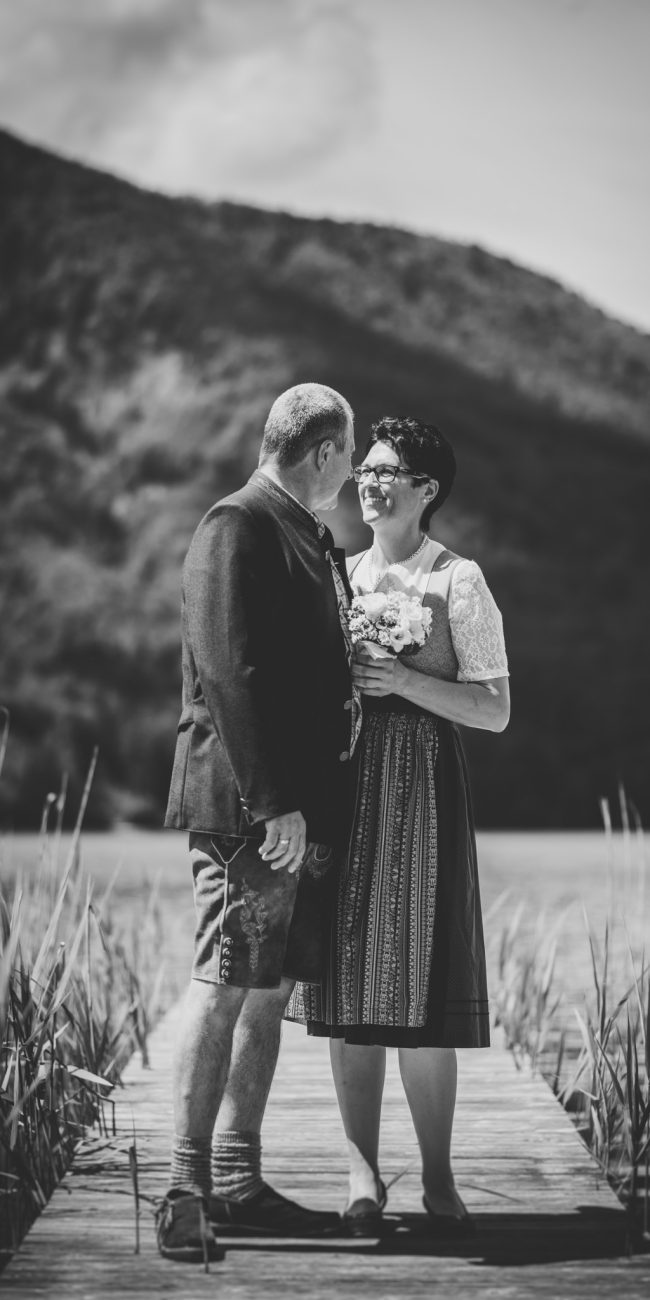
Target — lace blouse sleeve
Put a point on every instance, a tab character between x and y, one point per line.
476	626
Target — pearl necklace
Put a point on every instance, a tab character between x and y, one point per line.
376	579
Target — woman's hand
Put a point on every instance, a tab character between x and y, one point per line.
472	704
378	676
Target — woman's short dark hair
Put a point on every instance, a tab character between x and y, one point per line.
421	448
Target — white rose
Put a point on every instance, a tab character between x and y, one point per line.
373	605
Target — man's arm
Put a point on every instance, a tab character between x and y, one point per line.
226	603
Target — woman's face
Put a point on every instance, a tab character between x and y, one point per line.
400	502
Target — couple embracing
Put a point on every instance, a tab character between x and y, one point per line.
331	835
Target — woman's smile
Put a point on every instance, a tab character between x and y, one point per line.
372	499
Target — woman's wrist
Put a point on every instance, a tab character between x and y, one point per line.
403	681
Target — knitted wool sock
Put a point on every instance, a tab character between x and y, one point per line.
236	1164
191	1164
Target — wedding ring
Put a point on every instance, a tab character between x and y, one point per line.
284	841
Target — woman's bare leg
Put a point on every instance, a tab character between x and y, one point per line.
359	1074
429	1078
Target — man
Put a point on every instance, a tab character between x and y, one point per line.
260	777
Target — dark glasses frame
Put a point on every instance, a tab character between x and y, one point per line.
385	473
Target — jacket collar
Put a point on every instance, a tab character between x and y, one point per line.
335	554
261	480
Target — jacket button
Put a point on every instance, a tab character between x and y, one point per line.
348	704
344	756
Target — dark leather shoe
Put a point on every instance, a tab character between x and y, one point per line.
268	1214
449	1225
363	1218
183	1232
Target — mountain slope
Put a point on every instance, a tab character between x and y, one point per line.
143	340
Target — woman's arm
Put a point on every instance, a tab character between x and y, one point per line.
472	704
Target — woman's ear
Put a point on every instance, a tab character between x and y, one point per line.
432	490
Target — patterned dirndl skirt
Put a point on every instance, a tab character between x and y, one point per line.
407	958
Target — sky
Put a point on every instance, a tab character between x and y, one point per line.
520	125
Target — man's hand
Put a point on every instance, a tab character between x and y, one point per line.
286	841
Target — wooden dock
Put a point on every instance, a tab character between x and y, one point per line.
548	1225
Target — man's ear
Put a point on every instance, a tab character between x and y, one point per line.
324	452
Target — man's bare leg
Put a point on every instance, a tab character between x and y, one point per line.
240	1195
200	1071
237	1146
203	1055
254	1056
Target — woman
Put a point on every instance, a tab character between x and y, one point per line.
407	965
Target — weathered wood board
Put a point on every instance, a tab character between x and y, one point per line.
548	1224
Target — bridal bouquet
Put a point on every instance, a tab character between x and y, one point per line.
388	624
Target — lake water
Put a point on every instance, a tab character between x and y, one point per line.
555	874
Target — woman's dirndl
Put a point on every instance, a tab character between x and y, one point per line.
407	957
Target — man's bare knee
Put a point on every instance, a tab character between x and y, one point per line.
268	1003
218	1001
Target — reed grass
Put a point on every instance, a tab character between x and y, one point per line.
79	990
596	1056
525	1004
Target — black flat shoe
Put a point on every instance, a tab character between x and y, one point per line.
363	1218
449	1225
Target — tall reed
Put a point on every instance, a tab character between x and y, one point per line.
596	1056
78	992
609	1092
524	1002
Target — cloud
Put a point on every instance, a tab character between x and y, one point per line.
204	95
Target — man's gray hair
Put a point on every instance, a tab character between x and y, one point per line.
300	419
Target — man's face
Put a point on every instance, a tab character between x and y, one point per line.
336	471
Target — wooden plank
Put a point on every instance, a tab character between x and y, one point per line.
548	1224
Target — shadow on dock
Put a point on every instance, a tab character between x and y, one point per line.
503	1240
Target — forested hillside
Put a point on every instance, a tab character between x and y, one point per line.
143	340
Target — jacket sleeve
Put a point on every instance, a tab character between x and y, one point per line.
229	623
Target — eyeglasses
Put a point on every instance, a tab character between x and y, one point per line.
384	473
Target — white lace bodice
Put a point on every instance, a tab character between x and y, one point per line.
464	609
